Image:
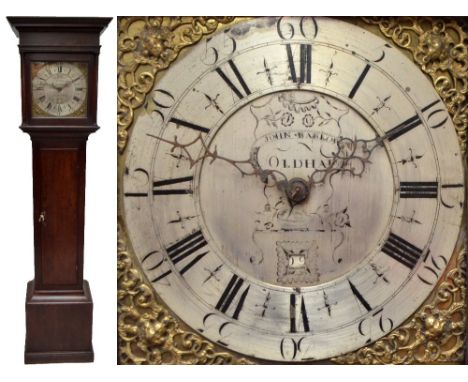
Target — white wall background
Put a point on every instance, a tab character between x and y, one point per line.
16	226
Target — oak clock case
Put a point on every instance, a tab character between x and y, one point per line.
59	58
292	189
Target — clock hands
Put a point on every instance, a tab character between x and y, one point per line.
246	167
351	156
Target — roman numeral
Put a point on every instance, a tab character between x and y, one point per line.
292	314
184	248
158	188
135	194
402	251
359	296
230	293
359	81
305	56
239	77
409	124
190	125
403	128
418	190
172	191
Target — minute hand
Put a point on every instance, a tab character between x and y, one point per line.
72	81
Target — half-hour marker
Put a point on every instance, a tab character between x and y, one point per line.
418	190
359	81
239	77
359	296
402	251
42	98
305	68
75	98
230	293
293	317
190	125
184	248
159	190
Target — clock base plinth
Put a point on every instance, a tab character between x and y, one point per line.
58	326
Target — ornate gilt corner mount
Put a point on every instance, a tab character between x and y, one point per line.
434	335
148	333
439	47
146	46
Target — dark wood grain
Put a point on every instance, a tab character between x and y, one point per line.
58	326
58	302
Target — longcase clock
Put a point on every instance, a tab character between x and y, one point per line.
59	67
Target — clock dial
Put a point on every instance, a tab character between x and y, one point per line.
59	89
293	188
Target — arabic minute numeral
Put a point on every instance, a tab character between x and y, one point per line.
375	322
162	100
306	28
213	54
431	270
